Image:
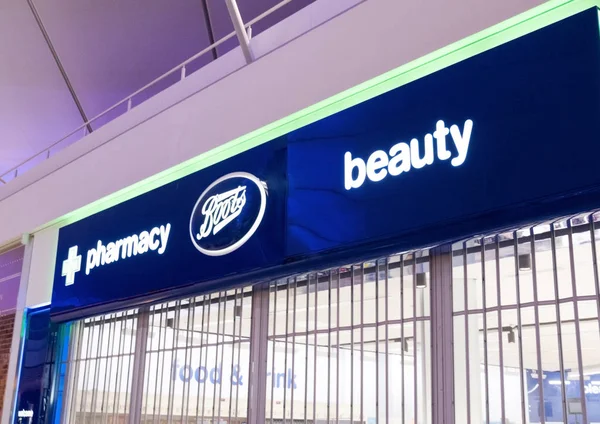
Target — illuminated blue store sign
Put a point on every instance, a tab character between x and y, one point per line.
500	139
219	223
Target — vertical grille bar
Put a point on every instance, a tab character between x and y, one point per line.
577	326
328	349
362	342
220	367
376	340
558	326
161	353
186	384
221	299
500	332
285	359
173	359
387	338
519	325
414	316
118	378
467	341
595	265
201	352
337	366
130	358
274	341
402	339
485	330
97	370
149	369
537	325
209	300
75	378
352	343
241	323
108	368
305	350
315	350
233	343
291	382
87	364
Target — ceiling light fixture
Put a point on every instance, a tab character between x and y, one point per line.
421	281
511	336
525	262
511	333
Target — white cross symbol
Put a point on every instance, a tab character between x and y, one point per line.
71	265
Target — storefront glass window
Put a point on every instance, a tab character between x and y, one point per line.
525	347
352	345
197	360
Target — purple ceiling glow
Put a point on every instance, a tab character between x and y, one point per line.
108	50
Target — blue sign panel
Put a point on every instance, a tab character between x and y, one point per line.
483	144
220	222
503	138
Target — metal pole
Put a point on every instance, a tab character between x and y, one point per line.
293	352
558	324
259	347
485	333
519	325
285	358
467	341
238	25
274	343
577	326
305	352
402	340
538	342
160	356
139	365
500	333
201	351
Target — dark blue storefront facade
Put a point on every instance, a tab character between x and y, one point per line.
504	138
508	137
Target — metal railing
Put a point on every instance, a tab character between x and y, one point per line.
244	34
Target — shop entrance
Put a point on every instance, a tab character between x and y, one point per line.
363	343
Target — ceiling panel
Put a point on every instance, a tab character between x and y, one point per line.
112	48
36	107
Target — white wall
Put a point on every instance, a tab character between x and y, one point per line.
41	274
367	40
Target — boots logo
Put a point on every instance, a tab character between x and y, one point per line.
228	213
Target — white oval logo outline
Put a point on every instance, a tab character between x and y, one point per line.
253	228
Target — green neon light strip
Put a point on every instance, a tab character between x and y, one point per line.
532	20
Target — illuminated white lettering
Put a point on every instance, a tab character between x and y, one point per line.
440	133
155	239
403	157
164	236
461	141
144	242
129	246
